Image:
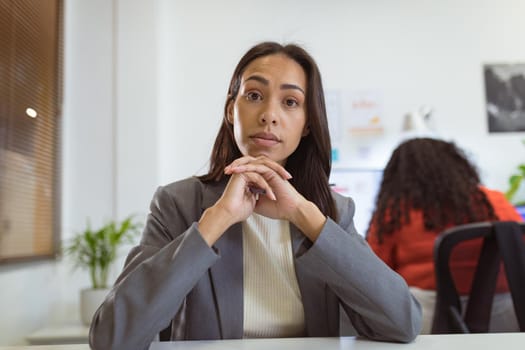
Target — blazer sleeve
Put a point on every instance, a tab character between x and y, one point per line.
384	250
157	276
376	299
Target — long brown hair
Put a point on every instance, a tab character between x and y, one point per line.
435	177
310	163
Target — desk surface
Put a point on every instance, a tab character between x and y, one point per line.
67	334
507	341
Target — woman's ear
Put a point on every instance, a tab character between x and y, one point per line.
306	130
229	112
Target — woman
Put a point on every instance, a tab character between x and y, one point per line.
428	186
259	246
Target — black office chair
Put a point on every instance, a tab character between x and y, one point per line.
501	241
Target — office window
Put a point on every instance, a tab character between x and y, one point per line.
30	101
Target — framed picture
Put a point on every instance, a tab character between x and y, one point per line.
505	97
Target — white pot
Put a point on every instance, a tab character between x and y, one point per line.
90	300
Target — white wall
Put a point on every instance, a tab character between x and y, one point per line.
46	292
109	151
145	82
414	52
136	111
411	52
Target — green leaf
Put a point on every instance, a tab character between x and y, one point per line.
96	250
515	181
514	185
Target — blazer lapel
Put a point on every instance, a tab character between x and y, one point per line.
313	290
227	282
298	239
227	273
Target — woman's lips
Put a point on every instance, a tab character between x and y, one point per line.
265	139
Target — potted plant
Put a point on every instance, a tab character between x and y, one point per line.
96	250
515	183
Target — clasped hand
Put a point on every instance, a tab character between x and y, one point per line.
279	200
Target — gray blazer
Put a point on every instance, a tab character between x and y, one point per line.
173	276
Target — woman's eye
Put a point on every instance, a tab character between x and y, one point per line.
290	102
253	96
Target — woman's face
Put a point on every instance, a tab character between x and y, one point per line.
269	112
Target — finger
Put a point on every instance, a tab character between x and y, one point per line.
257	185
238	162
259	165
267	172
278	168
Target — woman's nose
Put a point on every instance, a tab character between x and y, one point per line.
269	116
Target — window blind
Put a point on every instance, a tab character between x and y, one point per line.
30	101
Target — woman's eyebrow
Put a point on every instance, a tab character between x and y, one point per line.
266	82
291	86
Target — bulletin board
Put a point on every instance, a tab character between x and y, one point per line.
362	186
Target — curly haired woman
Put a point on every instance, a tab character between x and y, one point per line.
428	186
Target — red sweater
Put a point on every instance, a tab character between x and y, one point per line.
409	251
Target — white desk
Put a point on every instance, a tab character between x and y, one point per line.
68	334
507	341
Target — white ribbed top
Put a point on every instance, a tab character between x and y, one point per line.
272	300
